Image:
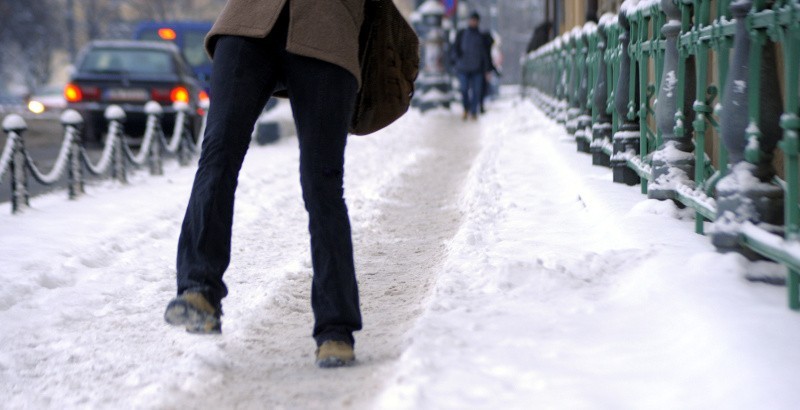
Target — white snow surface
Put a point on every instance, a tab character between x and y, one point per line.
498	269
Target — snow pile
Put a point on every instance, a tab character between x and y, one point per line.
84	285
563	290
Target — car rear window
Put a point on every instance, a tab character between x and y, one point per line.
114	60
193	44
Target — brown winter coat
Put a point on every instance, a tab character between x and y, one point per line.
323	29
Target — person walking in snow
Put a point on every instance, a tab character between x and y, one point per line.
472	63
306	50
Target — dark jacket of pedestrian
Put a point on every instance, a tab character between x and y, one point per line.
326	30
470	52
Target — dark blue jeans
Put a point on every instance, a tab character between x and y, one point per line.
471	90
246	72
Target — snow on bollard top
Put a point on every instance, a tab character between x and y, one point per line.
180	106
71	117
114	113
153	108
14	122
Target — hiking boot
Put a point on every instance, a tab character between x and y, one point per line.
335	353
193	310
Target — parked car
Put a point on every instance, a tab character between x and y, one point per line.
129	74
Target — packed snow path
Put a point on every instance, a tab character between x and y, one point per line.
86	328
497	268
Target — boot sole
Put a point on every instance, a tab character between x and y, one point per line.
180	313
333	362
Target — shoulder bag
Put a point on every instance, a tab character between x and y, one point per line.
389	59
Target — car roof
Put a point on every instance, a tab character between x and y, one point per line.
137	44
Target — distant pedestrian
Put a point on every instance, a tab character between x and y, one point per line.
307	50
472	63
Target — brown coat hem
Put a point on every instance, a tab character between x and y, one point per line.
325	30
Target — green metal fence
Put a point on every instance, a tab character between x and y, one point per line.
684	97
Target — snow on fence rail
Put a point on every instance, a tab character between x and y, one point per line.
117	157
640	92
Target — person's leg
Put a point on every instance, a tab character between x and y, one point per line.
484	93
243	77
323	98
463	80
475	94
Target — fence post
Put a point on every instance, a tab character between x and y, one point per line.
583	120
574	82
15	126
673	161
154	113
73	122
750	131
554	78
790	145
626	139
563	80
601	129
116	117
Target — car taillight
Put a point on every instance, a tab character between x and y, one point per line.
73	93
179	94
170	95
202	96
160	95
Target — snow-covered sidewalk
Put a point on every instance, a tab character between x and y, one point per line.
498	269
